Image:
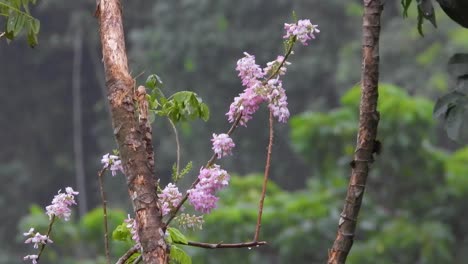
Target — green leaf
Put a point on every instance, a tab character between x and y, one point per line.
176	236
185	105
406	4
176	177
132	258
122	233
153	81
178	256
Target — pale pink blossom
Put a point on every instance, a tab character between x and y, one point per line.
36	238
112	162
33	258
133	226
222	145
303	30
249	71
277	100
211	180
60	206
169	198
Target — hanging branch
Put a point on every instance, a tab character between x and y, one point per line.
367	133
265	178
133	139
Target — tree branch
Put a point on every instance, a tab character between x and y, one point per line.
133	140
367	133
221	245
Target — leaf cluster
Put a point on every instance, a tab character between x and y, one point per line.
180	106
18	17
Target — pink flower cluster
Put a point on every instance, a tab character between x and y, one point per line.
133	226
258	91
33	258
222	145
60	208
113	163
303	30
211	180
264	85
61	203
169	198
36	238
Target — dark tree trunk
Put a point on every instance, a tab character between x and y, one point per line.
133	138
367	133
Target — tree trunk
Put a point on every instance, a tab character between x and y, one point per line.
133	138
367	133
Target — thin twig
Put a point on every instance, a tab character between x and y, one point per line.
208	164
176	134
49	230
104	210
231	245
128	254
265	179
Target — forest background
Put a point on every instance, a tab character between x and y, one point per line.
413	211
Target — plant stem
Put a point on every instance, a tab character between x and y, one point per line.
104	210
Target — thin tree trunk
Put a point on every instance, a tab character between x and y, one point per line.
367	133
133	139
77	119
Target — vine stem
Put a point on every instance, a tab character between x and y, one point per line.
104	210
176	134
265	179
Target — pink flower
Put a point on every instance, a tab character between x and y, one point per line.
222	145
277	100
61	203
133	226
303	30
170	197
247	103
33	258
36	238
113	163
202	197
249	71
202	201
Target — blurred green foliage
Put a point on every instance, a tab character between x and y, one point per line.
410	206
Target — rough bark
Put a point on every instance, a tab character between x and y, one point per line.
133	137
367	133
